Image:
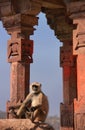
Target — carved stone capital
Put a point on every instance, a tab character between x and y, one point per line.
22	22
20	27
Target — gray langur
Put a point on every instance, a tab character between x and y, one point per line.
36	103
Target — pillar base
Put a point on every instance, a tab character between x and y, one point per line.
79	114
12	106
66	117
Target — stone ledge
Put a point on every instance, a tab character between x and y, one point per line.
22	124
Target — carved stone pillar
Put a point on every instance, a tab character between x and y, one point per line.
63	31
63	27
20	50
77	13
67	61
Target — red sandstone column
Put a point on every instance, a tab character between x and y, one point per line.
79	50
20	50
20	56
76	12
69	86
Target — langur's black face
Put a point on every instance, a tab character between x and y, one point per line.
36	89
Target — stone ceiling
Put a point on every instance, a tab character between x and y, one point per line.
55	11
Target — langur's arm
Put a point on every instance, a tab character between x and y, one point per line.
24	104
28	99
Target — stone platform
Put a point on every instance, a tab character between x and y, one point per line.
23	124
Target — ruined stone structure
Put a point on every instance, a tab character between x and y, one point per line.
67	19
